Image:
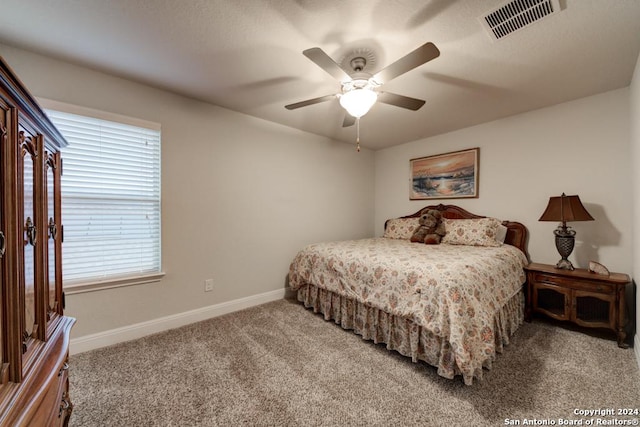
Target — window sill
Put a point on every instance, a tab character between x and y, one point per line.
81	288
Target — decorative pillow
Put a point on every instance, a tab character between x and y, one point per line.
472	232
401	228
501	234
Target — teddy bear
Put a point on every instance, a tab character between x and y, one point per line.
431	228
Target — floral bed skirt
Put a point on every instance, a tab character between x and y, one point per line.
406	337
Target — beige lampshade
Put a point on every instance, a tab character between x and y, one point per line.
565	209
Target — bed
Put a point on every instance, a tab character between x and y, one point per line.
454	305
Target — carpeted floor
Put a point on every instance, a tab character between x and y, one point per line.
281	365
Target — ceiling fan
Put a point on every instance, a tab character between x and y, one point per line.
360	89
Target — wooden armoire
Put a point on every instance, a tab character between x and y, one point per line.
34	333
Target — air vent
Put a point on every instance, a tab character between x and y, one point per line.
516	15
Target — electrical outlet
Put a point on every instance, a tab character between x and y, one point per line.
208	285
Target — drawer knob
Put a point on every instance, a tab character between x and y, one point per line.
64	406
65	367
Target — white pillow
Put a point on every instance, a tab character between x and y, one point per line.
501	233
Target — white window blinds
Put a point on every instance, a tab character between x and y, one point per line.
110	198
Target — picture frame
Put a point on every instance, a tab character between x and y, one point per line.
451	175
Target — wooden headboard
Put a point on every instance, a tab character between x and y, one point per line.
517	233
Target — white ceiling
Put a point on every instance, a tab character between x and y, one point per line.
246	55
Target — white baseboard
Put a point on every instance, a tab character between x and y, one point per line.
139	330
636	348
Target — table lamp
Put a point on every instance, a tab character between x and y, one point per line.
565	209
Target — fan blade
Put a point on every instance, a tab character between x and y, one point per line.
349	120
400	101
309	102
421	55
325	62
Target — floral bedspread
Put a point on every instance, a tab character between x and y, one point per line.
454	291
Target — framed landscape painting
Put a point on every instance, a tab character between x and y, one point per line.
445	176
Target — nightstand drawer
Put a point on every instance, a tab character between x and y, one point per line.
572	283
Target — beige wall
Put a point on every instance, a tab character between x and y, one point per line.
579	147
635	167
240	195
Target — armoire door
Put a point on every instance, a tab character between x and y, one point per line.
5	121
27	179
53	276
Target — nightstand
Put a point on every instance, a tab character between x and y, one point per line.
579	296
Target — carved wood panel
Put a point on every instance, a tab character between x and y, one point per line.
4	119
26	182
53	232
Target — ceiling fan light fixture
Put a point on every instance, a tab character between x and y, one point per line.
359	101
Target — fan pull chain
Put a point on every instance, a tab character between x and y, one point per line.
358	134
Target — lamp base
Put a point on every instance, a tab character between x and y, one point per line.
565	240
565	264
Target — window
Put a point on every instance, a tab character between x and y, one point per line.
110	198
